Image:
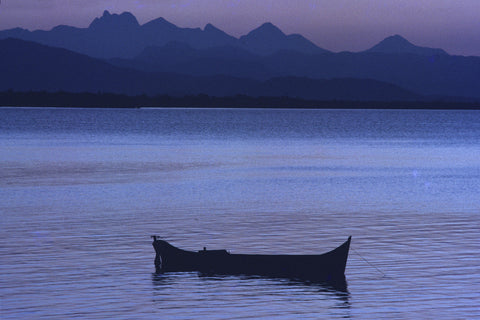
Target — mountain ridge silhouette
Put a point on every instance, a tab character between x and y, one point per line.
96	40
160	47
54	69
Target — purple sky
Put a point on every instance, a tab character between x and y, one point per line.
354	25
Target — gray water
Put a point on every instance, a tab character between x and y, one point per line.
82	190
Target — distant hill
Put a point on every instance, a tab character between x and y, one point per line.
181	58
28	66
439	74
398	45
428	75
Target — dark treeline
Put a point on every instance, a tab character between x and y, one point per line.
108	100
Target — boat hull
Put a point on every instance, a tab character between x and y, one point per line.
327	267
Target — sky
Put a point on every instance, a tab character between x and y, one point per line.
336	25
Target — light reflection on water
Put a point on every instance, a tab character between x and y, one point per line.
81	191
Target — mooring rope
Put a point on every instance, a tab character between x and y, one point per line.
369	262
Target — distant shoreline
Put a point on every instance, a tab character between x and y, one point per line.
110	100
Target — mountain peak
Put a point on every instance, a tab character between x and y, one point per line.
160	22
269	25
267	29
114	21
211	27
397	37
398	44
397	41
268	39
266	32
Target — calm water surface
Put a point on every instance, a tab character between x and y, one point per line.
82	190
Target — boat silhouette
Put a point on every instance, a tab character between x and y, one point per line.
328	267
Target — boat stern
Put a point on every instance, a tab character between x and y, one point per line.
170	258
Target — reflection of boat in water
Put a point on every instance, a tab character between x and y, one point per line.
323	268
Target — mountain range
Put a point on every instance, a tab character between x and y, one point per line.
117	54
121	36
28	66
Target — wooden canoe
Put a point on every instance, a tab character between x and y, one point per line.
328	267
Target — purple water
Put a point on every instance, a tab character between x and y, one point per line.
82	190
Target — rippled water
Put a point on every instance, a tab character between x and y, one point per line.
82	190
